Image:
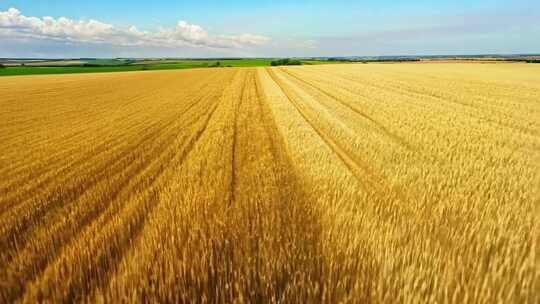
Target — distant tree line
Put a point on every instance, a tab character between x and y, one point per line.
92	65
2	66
332	59
519	60
285	61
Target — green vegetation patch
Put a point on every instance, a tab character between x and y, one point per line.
285	61
121	65
127	65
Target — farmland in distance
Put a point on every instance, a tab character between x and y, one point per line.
331	183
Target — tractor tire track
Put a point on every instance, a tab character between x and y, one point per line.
120	164
85	161
354	109
61	236
360	169
108	253
443	102
234	144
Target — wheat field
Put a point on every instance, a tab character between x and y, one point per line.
377	183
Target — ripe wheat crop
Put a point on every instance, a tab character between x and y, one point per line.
335	183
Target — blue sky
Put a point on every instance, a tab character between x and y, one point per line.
266	28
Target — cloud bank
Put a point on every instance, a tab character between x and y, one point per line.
14	25
471	32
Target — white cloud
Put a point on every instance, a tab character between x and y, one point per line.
15	25
249	39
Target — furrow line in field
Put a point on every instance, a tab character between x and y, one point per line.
300	218
87	161
356	110
38	205
97	109
178	159
267	119
441	101
58	158
422	107
478	109
78	89
109	258
69	172
161	126
142	180
207	164
234	147
59	232
361	170
118	175
469	87
271	219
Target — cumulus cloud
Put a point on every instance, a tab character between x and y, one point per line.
13	24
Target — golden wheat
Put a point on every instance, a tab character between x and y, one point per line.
336	183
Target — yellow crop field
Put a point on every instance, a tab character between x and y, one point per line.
351	183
